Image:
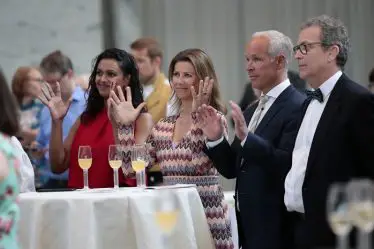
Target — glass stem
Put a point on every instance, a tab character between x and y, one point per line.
85	179
115	175
138	179
364	241
143	178
342	242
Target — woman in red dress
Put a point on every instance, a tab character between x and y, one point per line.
113	68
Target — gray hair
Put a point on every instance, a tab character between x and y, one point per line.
333	32
279	43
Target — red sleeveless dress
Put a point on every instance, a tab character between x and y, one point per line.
98	134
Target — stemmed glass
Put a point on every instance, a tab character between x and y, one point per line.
338	213
115	161
85	162
361	197
139	158
167	209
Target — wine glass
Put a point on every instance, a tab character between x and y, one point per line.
167	209
139	160
361	197
85	162
115	161
338	213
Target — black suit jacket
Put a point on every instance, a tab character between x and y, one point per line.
266	160
342	149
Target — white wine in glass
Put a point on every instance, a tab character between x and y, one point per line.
166	220
340	223
361	198
167	211
139	157
338	213
115	161
85	162
138	165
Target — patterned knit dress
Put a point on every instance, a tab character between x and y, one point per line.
186	163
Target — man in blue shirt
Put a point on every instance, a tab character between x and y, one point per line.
57	67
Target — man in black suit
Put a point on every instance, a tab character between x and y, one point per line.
260	155
335	141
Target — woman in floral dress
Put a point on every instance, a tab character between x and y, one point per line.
177	143
9	168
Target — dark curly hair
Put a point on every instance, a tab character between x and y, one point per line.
9	118
95	102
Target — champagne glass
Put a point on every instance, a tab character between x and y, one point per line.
338	213
361	197
166	214
85	162
139	160
115	161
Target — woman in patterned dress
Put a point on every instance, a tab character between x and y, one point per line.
177	142
9	172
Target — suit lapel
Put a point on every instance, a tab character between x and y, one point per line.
274	109
330	113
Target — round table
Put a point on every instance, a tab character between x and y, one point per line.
110	219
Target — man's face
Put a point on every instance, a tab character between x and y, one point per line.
65	81
311	57
147	67
261	67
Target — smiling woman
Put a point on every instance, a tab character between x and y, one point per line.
97	125
176	143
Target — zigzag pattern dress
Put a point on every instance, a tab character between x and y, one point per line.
186	163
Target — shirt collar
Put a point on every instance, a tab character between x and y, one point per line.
329	84
78	94
278	89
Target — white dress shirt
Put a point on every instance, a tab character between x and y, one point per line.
293	198
27	183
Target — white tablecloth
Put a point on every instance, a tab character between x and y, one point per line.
108	219
229	198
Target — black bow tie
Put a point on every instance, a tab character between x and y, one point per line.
316	94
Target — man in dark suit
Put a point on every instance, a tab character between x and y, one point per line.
336	134
250	95
260	155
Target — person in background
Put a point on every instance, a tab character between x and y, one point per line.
82	81
98	125
26	87
9	168
371	81
176	142
57	69
156	88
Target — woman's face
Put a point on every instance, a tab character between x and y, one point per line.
108	73
184	76
32	87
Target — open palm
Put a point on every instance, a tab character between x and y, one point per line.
203	95
121	109
210	122
56	105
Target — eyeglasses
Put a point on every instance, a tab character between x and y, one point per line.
39	80
305	47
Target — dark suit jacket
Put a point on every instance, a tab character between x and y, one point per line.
342	149
266	160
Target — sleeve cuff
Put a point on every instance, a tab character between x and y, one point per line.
243	142
212	144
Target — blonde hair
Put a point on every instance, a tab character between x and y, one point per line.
203	66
